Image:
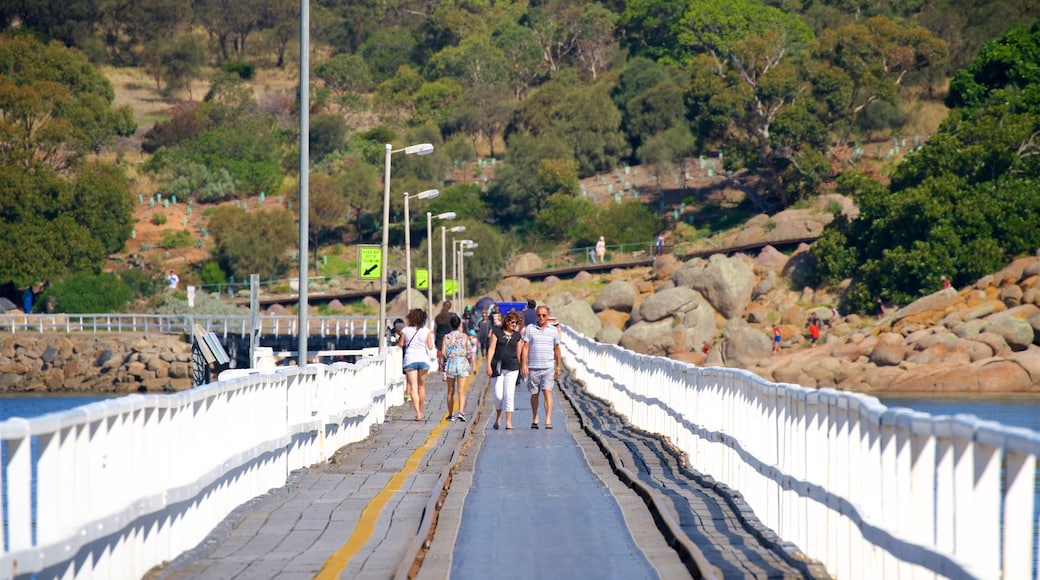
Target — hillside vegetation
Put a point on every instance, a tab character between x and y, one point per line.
533	108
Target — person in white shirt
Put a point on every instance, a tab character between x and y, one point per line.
417	342
173	280
540	363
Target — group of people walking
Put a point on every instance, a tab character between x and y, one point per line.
524	349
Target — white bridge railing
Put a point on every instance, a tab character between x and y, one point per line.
871	492
223	324
111	489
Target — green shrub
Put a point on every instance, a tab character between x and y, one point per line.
178	239
158	218
85	293
141	282
245	70
213	275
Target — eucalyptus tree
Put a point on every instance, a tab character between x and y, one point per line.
867	61
59	214
744	59
962	206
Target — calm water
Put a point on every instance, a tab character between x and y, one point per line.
1012	411
29	406
1019	411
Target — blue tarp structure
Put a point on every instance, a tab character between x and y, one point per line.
507	307
483	304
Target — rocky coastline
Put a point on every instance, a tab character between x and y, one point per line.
979	340
83	362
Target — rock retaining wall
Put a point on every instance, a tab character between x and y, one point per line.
95	363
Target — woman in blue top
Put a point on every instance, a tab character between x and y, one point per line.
417	342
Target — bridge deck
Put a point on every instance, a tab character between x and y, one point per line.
435	499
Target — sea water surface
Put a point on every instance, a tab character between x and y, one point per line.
1011	410
29	406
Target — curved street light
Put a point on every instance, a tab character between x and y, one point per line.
450	215
420	149
428	194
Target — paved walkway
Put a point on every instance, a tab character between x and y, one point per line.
435	499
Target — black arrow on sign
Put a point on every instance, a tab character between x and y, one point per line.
371	269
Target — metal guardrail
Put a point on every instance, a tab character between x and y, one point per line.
223	325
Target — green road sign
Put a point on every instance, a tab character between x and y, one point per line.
370	263
422	279
451	287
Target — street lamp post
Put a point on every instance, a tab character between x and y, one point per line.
443	258
428	194
304	193
420	149
462	275
456	260
429	254
463	246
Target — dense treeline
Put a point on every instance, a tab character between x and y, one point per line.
965	203
560	89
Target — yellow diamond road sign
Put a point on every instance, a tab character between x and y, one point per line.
422	279
370	262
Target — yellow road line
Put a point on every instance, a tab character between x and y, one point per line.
338	562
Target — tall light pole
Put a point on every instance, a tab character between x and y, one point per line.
420	149
444	274
304	205
429	254
463	246
455	261
428	194
462	275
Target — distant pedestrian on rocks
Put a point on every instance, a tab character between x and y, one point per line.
814	332
173	280
659	246
946	283
592	255
601	249
776	339
880	309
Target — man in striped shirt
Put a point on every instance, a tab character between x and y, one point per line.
540	363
